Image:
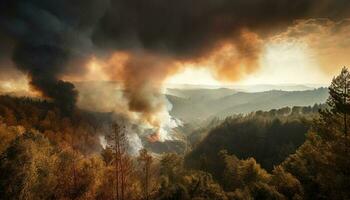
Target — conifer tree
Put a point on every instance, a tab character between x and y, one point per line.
339	99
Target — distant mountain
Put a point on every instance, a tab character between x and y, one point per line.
201	94
200	104
249	88
268	87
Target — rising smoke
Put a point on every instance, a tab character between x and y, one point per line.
142	42
49	39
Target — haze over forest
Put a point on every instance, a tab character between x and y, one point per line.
174	100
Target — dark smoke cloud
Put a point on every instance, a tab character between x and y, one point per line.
190	28
43	63
51	38
7	70
223	34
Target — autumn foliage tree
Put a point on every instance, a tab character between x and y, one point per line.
46	155
145	162
123	166
322	163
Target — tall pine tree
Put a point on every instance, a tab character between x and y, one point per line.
339	99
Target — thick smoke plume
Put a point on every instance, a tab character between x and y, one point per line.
143	42
141	76
162	36
43	63
48	39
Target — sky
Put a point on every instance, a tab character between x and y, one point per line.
280	64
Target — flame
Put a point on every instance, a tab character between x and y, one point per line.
155	137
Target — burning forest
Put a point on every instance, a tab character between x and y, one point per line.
85	90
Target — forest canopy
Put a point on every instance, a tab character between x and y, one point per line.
287	153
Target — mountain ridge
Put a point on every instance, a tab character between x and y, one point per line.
242	103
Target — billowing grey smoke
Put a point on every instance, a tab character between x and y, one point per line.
52	38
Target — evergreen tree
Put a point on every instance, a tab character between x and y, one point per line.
321	164
339	99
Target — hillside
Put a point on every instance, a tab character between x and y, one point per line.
269	137
189	106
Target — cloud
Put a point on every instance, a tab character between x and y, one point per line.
328	40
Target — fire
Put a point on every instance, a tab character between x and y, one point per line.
154	137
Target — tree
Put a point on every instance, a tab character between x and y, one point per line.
296	110
145	160
26	168
179	183
287	184
77	176
339	99
8	134
322	166
171	167
245	179
107	155
200	185
322	163
117	140
171	172
283	111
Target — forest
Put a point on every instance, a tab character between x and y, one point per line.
174	100
287	153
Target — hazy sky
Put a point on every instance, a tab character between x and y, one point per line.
281	63
310	51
